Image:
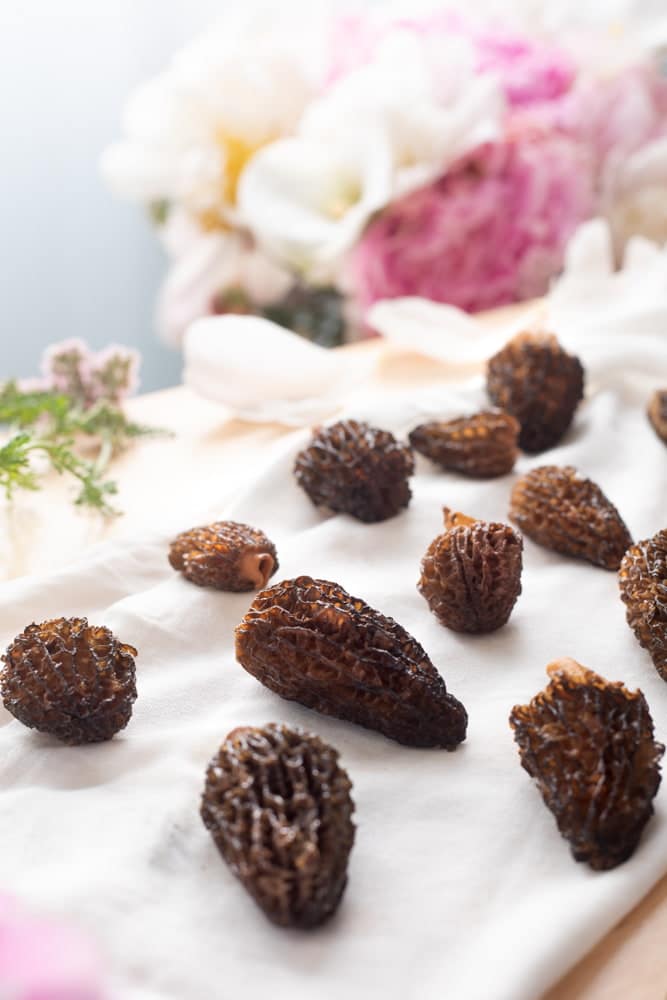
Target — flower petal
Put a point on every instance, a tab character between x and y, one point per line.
307	203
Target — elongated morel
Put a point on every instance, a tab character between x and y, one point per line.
657	413
227	555
354	468
310	641
540	384
278	806
73	680
643	582
483	445
589	745
562	510
471	573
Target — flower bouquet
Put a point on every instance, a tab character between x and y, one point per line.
304	166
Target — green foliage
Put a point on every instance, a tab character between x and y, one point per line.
53	425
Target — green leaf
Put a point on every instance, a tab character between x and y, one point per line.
50	423
159	211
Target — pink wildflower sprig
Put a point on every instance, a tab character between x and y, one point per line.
72	418
90	377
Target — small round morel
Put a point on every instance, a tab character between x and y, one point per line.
356	469
73	680
589	745
562	510
483	445
657	413
278	806
226	555
643	582
540	384
471	574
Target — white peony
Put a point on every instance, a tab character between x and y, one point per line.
203	264
384	130
307	202
635	202
191	130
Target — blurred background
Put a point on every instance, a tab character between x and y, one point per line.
78	261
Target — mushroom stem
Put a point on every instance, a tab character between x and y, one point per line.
257	567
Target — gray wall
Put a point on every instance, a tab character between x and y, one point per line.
75	261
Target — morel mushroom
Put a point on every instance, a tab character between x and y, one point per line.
278	806
73	680
310	641
227	555
563	511
540	384
471	574
483	445
353	468
589	745
643	581
657	413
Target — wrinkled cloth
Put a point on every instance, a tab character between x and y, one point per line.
459	883
264	372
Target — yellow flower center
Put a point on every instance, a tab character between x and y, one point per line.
237	152
343	200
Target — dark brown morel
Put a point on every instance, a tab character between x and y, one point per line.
227	555
563	511
310	641
73	680
657	413
483	445
278	806
588	743
535	380
356	469
471	574
643	581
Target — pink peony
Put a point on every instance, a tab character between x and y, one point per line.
42	960
491	231
615	116
530	71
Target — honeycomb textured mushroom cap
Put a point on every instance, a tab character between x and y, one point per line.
312	642
540	384
227	555
70	679
589	745
643	583
353	468
562	510
657	413
471	574
278	806
483	445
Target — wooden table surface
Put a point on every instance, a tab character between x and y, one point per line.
213	454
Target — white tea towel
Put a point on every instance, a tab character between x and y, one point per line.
459	885
266	373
